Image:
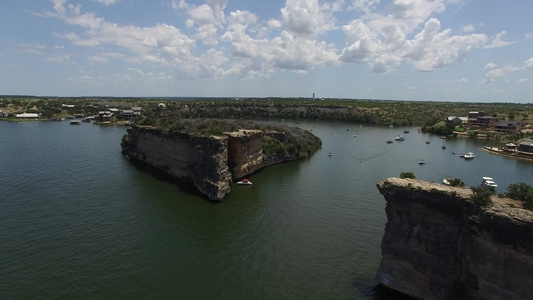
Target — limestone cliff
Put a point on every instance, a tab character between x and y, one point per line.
440	245
245	152
202	160
211	163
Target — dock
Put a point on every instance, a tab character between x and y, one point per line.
509	152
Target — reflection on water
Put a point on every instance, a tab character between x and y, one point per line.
80	221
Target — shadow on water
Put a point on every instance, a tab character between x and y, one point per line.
384	293
184	185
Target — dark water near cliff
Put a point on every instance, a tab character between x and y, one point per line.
79	221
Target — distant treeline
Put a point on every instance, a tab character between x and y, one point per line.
384	112
397	113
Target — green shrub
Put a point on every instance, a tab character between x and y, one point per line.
482	196
407	175
523	192
457	182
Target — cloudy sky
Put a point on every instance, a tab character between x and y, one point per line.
439	50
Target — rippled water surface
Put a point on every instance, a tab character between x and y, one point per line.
79	221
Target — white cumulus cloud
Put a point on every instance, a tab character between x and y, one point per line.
106	2
529	64
217	43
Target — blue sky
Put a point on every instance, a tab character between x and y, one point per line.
440	50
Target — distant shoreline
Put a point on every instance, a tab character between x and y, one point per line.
507	153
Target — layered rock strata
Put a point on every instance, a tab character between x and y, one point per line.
211	163
438	244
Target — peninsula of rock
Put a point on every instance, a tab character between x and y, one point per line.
212	159
438	244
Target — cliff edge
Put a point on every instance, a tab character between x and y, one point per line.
213	162
438	244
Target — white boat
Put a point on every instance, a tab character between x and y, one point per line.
330	154
488	182
244	182
400	138
469	155
421	162
446	181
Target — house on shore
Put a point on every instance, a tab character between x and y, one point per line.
508	127
454	120
473	116
105	116
137	110
526	146
127	114
478	119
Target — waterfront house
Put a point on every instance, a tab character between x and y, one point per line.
526	146
127	114
473	117
3	114
487	121
105	116
454	120
508	127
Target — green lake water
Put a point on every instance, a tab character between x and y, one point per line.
79	221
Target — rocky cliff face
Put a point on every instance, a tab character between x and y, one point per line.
202	160
440	245
211	163
245	152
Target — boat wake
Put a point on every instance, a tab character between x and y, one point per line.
375	156
364	159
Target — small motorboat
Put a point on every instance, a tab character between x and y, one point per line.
428	142
488	182
330	154
421	162
443	147
406	131
244	182
469	155
389	142
446	181
400	138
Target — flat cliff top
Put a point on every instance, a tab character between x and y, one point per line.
505	207
242	132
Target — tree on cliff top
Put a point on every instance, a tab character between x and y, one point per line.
407	175
523	192
482	196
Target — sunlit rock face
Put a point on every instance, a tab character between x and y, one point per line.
211	163
439	245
